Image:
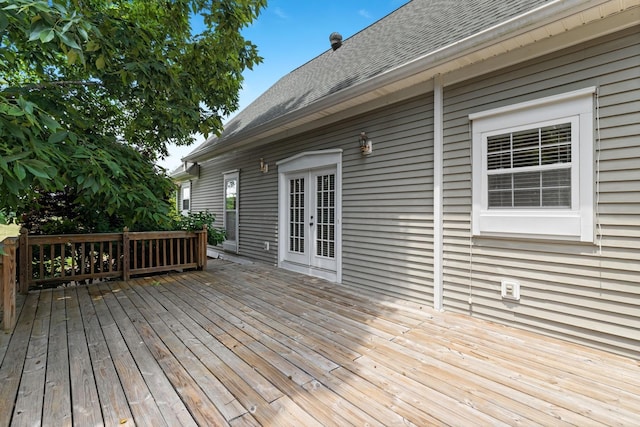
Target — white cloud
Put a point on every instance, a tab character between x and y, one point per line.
279	12
364	13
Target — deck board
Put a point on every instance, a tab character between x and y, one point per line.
252	345
113	402
14	360
84	393
57	391
31	392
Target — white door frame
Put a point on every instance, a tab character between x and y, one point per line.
301	163
229	245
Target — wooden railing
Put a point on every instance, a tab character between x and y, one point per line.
8	266
43	261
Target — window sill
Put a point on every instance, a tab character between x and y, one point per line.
556	225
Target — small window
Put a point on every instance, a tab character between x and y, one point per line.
186	198
533	168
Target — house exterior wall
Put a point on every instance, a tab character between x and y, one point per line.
388	203
206	187
387	210
585	292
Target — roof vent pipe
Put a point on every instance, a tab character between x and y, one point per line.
336	40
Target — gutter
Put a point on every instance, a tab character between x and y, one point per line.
439	61
186	173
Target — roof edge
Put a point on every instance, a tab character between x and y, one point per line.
531	21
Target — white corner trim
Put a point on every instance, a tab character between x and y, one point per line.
438	178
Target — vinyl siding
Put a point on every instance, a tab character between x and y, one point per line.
589	293
388	204
257	200
387	211
203	188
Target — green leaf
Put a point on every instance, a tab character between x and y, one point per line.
4	22
100	63
17	156
92	46
37	168
57	137
47	35
25	105
72	56
50	122
83	33
68	41
20	172
14	111
12	185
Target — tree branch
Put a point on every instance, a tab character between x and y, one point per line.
61	83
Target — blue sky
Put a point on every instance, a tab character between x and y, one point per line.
289	33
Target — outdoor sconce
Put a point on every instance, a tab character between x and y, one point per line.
365	144
264	167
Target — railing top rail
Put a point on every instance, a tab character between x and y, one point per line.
74	238
10	240
140	235
106	237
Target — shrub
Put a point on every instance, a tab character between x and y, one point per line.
194	221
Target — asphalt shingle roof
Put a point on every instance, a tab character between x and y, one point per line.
416	29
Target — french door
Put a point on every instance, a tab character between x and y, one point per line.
310	221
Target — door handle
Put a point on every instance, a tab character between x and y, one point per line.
311	223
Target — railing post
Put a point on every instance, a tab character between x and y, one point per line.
125	254
24	261
202	248
8	282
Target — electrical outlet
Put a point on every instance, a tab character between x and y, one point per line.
510	289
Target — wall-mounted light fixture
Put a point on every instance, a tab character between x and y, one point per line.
366	146
264	167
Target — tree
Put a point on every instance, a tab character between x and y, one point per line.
92	91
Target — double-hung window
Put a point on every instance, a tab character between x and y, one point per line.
186	198
533	168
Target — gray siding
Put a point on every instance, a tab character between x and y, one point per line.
582	292
388	204
387	197
203	189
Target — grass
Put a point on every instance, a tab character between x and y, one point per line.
11	230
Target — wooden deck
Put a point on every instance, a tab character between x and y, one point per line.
252	345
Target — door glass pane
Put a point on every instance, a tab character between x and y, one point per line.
230	207
325	216
296	215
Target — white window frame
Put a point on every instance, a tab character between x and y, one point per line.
185	187
227	245
575	223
